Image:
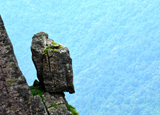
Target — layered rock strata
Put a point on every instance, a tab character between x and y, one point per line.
53	64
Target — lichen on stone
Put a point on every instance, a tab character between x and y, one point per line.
10	81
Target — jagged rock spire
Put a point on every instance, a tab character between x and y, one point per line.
53	64
15	96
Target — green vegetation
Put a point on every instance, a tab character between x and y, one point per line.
54	50
54	43
31	87
59	46
46	50
36	91
54	105
72	109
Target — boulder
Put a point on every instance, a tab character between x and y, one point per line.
53	64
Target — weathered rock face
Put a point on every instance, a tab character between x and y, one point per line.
56	104
15	95
53	64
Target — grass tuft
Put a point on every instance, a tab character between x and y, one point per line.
54	43
54	50
46	50
36	91
72	109
59	46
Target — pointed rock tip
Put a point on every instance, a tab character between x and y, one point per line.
1	24
1	19
41	34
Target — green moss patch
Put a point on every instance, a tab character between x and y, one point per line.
54	105
54	43
54	50
59	46
36	91
46	50
72	109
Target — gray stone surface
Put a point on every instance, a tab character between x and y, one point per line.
54	68
15	95
36	84
59	101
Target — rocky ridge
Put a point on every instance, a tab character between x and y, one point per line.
17	98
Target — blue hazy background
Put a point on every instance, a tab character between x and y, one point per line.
114	46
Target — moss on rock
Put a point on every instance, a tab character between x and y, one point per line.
36	91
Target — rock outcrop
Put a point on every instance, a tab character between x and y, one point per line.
15	95
53	64
17	98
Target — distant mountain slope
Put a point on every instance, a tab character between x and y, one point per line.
114	46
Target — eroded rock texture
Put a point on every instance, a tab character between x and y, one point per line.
15	95
53	64
55	104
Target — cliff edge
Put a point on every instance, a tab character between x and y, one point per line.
45	97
